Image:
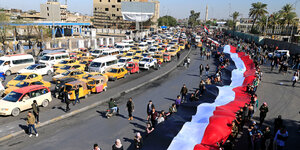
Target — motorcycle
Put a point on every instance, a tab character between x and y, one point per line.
110	112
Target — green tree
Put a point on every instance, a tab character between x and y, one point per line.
4	19
234	16
193	18
257	10
167	21
262	22
288	15
275	20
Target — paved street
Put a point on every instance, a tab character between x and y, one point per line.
85	129
282	99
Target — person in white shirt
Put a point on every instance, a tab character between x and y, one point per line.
160	119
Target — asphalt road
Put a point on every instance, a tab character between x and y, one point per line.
83	130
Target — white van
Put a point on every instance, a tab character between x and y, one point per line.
110	52
13	63
49	51
130	42
143	45
54	58
151	42
122	46
98	52
103	64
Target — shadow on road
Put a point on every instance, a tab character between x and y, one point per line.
24	127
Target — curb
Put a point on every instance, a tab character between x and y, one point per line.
75	112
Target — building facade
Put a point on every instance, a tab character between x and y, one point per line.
107	14
54	11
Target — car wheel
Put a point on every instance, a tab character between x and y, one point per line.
49	72
45	103
104	89
8	73
15	112
89	93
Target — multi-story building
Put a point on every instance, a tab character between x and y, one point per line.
107	13
54	11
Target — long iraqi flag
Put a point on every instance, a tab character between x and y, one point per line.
210	123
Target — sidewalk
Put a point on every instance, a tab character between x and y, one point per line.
55	114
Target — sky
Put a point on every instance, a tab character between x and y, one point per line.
219	9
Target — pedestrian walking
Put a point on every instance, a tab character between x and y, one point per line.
183	93
96	147
149	129
202	87
267	136
172	109
36	111
263	112
207	70
295	79
67	101
150	105
178	56
31	124
76	95
188	61
130	108
201	68
118	145
153	117
138	141
178	101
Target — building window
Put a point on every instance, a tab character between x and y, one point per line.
100	1
47	8
106	9
95	9
113	6
118	9
108	0
48	14
113	15
119	1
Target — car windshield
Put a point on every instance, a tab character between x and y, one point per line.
134	48
87	76
22	84
129	54
83	62
31	67
66	67
1	62
136	57
144	55
152	50
20	77
156	56
141	45
138	51
68	88
130	65
45	58
12	96
95	64
146	59
105	53
119	46
66	73
113	70
97	52
122	60
166	55
64	62
172	50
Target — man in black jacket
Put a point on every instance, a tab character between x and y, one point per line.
183	93
150	105
263	112
67	101
130	108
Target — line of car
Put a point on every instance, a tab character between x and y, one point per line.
80	69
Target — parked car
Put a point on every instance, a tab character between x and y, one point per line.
97	84
167	57
123	61
116	73
64	62
22	98
147	63
23	76
60	86
133	67
83	90
64	68
41	69
70	73
279	53
27	82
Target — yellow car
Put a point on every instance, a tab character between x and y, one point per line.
172	52
27	82
87	58
159	57
64	62
69	67
137	59
91	74
139	52
130	54
182	46
135	49
161	50
116	73
23	76
70	73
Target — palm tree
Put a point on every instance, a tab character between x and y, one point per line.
262	21
258	10
275	20
288	15
234	16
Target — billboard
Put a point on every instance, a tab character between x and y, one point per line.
137	11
